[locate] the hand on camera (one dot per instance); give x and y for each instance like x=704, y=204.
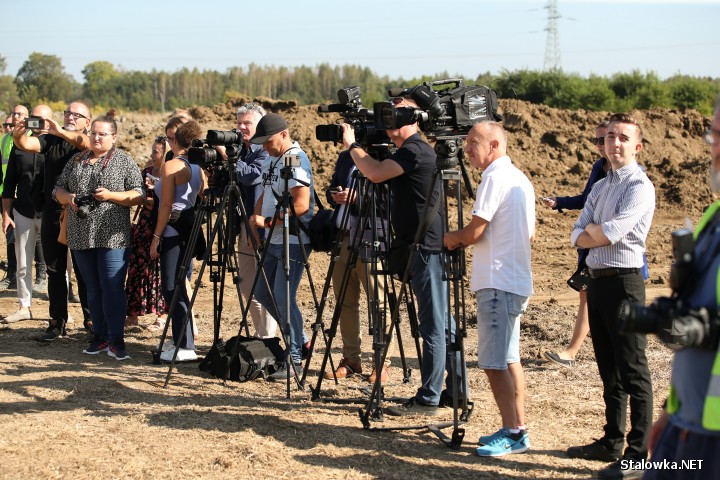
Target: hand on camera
x=348, y=137
x=549, y=202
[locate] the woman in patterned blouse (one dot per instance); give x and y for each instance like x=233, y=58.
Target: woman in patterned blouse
x=100, y=185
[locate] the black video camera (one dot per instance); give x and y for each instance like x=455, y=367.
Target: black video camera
x=447, y=112
x=86, y=204
x=202, y=153
x=670, y=318
x=360, y=119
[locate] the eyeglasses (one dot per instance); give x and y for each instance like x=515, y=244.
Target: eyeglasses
x=99, y=134
x=170, y=139
x=74, y=115
x=7, y=125
x=598, y=141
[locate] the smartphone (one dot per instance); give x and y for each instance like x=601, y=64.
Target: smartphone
x=34, y=123
x=152, y=178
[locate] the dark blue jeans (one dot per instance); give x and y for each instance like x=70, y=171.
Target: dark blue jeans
x=698, y=451
x=273, y=266
x=431, y=293
x=104, y=270
x=171, y=255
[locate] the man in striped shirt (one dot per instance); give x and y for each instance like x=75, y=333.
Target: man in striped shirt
x=614, y=225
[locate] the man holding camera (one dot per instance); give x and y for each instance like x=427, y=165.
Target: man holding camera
x=17, y=117
x=58, y=146
x=689, y=428
x=19, y=196
x=411, y=170
x=249, y=177
x=286, y=170
x=614, y=224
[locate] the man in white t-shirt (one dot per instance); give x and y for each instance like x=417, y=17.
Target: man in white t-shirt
x=501, y=230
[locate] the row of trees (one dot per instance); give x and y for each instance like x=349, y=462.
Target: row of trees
x=42, y=79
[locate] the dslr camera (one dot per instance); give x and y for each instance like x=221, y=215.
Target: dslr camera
x=670, y=318
x=362, y=120
x=202, y=153
x=86, y=204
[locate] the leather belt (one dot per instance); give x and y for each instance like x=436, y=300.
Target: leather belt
x=611, y=272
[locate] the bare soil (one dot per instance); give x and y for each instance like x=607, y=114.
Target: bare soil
x=68, y=415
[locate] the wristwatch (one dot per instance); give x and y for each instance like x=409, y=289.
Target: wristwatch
x=354, y=145
x=267, y=222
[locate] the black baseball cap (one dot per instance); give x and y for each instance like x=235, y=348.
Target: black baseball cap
x=268, y=126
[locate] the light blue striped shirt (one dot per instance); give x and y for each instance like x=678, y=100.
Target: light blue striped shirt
x=623, y=203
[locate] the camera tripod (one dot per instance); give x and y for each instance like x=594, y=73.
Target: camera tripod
x=222, y=259
x=366, y=242
x=448, y=149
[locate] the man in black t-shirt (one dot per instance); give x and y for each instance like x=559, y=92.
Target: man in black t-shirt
x=411, y=170
x=58, y=146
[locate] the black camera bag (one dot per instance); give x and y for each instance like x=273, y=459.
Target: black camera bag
x=255, y=358
x=462, y=105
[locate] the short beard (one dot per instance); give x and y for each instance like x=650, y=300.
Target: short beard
x=70, y=128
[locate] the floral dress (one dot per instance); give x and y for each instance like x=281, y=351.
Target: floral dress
x=143, y=280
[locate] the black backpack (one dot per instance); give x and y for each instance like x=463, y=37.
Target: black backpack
x=321, y=230
x=255, y=358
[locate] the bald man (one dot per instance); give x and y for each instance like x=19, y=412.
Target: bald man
x=58, y=145
x=23, y=215
x=501, y=231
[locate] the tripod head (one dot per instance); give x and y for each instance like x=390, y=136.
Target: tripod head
x=449, y=151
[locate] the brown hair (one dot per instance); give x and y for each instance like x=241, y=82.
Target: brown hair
x=626, y=118
x=186, y=133
x=108, y=118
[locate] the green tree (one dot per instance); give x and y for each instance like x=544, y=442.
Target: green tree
x=101, y=81
x=43, y=78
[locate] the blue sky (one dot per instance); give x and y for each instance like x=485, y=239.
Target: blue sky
x=399, y=38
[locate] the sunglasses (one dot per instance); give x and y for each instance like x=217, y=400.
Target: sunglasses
x=598, y=141
x=7, y=125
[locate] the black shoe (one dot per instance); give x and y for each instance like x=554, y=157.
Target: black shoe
x=96, y=346
x=446, y=400
x=53, y=333
x=624, y=468
x=597, y=450
x=117, y=351
x=281, y=375
x=412, y=407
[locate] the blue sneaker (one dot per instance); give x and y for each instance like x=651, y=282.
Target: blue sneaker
x=485, y=439
x=504, y=443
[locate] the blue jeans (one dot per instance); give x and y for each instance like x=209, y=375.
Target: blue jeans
x=274, y=269
x=431, y=293
x=103, y=270
x=172, y=252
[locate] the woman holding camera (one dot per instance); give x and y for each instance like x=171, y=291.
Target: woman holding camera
x=177, y=190
x=99, y=186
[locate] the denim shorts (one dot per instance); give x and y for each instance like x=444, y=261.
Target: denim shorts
x=498, y=327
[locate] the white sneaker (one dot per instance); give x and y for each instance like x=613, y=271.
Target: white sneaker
x=184, y=355
x=21, y=314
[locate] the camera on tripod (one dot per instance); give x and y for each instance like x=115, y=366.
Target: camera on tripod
x=671, y=318
x=204, y=154
x=442, y=112
x=362, y=120
x=86, y=204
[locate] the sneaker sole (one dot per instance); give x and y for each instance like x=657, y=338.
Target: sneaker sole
x=96, y=352
x=112, y=355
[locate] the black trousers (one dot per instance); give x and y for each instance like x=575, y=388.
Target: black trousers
x=621, y=362
x=56, y=260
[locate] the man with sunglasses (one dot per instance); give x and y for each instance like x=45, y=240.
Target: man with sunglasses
x=58, y=145
x=18, y=115
x=614, y=225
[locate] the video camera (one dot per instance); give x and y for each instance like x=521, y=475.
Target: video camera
x=446, y=112
x=361, y=119
x=202, y=153
x=670, y=318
